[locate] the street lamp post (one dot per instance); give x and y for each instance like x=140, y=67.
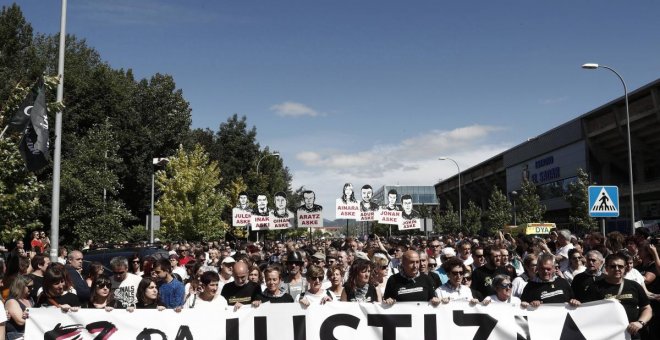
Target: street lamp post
x=513, y=199
x=276, y=154
x=593, y=66
x=156, y=162
x=460, y=213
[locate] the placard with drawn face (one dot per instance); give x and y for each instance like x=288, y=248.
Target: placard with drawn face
x=261, y=214
x=241, y=214
x=390, y=213
x=368, y=209
x=280, y=217
x=347, y=207
x=410, y=218
x=309, y=213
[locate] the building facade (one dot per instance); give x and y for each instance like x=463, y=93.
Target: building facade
x=595, y=142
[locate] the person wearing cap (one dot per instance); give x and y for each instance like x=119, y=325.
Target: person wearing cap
x=446, y=254
x=409, y=284
x=294, y=282
x=226, y=271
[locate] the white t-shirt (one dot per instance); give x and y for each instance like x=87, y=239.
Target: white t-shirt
x=3, y=313
x=218, y=303
x=636, y=276
x=515, y=301
x=126, y=291
x=563, y=251
x=314, y=299
x=463, y=293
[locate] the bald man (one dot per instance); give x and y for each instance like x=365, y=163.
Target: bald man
x=410, y=284
x=241, y=291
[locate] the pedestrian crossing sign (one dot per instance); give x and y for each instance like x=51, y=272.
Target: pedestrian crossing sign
x=603, y=201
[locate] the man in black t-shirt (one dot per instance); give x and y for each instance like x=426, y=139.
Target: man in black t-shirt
x=241, y=291
x=409, y=284
x=582, y=281
x=482, y=277
x=629, y=293
x=547, y=287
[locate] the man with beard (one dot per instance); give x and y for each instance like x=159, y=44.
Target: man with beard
x=409, y=284
x=482, y=277
x=367, y=194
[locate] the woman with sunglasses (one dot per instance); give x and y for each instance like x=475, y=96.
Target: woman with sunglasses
x=17, y=306
x=454, y=289
x=134, y=265
x=381, y=270
x=100, y=297
x=357, y=287
x=57, y=291
x=503, y=286
x=335, y=275
x=314, y=294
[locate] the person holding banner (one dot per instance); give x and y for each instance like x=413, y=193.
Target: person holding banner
x=335, y=275
x=17, y=306
x=208, y=298
x=547, y=287
x=56, y=291
x=357, y=287
x=314, y=294
x=629, y=293
x=241, y=291
x=273, y=293
x=454, y=289
x=147, y=296
x=409, y=284
x=503, y=292
x=100, y=297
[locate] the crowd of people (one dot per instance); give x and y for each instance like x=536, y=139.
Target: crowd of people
x=524, y=272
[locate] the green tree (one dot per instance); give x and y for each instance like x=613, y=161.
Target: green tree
x=89, y=187
x=578, y=197
x=191, y=204
x=529, y=207
x=447, y=221
x=472, y=219
x=499, y=211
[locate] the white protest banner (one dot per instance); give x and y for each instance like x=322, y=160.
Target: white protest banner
x=240, y=217
x=277, y=223
x=408, y=224
x=347, y=211
x=338, y=321
x=386, y=216
x=260, y=222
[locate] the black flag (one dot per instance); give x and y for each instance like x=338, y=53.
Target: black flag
x=21, y=117
x=34, y=144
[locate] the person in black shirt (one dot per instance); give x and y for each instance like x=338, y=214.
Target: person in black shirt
x=482, y=277
x=241, y=291
x=547, y=287
x=409, y=284
x=56, y=290
x=273, y=293
x=582, y=281
x=629, y=293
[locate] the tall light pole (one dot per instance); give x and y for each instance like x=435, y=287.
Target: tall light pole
x=276, y=154
x=460, y=213
x=593, y=66
x=156, y=162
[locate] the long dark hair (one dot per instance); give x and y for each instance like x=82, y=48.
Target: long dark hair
x=357, y=267
x=100, y=281
x=130, y=263
x=142, y=288
x=55, y=274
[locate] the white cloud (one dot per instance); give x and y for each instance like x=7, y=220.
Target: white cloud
x=403, y=155
x=293, y=109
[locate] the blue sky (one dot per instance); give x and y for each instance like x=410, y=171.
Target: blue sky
x=374, y=91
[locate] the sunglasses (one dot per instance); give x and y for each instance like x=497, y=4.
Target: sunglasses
x=103, y=285
x=320, y=278
x=467, y=278
x=433, y=265
x=459, y=273
x=506, y=286
x=614, y=266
